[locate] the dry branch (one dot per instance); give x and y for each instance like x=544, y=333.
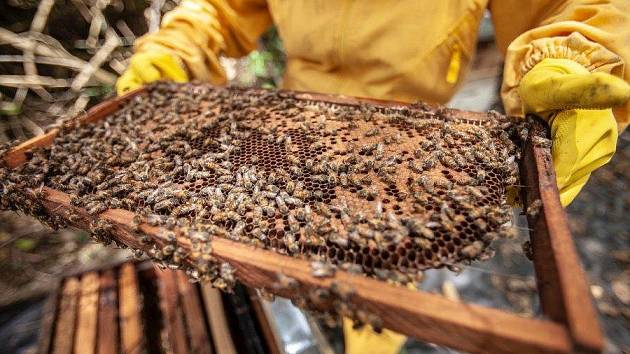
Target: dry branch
x=112, y=42
x=52, y=49
x=37, y=26
x=32, y=81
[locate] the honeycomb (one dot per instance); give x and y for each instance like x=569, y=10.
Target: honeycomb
x=387, y=191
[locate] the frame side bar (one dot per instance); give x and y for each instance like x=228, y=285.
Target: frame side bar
x=563, y=289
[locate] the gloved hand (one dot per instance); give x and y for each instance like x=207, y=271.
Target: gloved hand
x=148, y=67
x=577, y=105
x=365, y=341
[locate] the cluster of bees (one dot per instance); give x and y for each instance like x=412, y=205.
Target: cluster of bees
x=384, y=191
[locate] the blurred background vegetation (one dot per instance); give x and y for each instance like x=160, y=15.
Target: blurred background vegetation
x=58, y=58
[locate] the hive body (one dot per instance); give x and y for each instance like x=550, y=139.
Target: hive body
x=385, y=191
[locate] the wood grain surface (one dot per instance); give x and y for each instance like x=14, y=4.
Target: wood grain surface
x=108, y=338
x=130, y=304
x=63, y=340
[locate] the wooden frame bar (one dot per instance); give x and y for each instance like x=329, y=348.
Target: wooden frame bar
x=86, y=326
x=108, y=336
x=130, y=319
x=564, y=292
x=173, y=319
x=193, y=313
x=62, y=342
x=217, y=319
x=572, y=322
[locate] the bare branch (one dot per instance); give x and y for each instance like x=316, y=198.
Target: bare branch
x=38, y=24
x=111, y=42
x=68, y=63
x=125, y=30
x=41, y=16
x=98, y=23
x=154, y=14
x=83, y=10
x=32, y=81
x=32, y=127
x=50, y=48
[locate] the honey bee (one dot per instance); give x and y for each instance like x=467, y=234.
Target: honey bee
x=372, y=132
x=285, y=283
x=534, y=208
x=290, y=242
x=473, y=250
x=322, y=270
x=541, y=142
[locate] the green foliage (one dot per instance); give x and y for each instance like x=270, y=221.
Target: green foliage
x=264, y=67
x=25, y=244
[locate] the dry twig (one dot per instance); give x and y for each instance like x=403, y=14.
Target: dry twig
x=49, y=47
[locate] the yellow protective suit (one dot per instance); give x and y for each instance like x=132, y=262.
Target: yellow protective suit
x=397, y=49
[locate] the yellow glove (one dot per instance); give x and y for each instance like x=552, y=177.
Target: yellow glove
x=365, y=341
x=577, y=104
x=148, y=67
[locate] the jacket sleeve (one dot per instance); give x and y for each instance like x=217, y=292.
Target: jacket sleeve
x=197, y=32
x=596, y=34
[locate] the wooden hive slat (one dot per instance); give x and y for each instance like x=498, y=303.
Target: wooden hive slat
x=94, y=319
x=263, y=321
x=108, y=336
x=172, y=312
x=48, y=322
x=63, y=340
x=561, y=280
x=195, y=323
x=130, y=317
x=218, y=322
x=87, y=317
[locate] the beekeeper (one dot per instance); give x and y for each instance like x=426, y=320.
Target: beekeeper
x=564, y=60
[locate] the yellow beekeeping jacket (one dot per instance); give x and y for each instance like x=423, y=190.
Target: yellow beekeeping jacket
x=397, y=49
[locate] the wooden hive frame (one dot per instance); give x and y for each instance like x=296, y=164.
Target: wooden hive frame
x=568, y=323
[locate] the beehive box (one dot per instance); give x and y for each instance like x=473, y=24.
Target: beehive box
x=194, y=176
x=137, y=308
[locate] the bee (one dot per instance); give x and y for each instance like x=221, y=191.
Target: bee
x=322, y=270
x=481, y=224
x=290, y=187
x=291, y=244
x=293, y=160
x=165, y=205
x=294, y=225
x=295, y=170
x=367, y=193
x=285, y=282
x=372, y=132
x=136, y=222
x=473, y=250
x=528, y=250
x=480, y=176
x=95, y=208
x=238, y=230
x=317, y=145
x=475, y=192
x=282, y=206
x=269, y=211
x=541, y=142
x=534, y=208
x=184, y=210
x=259, y=234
